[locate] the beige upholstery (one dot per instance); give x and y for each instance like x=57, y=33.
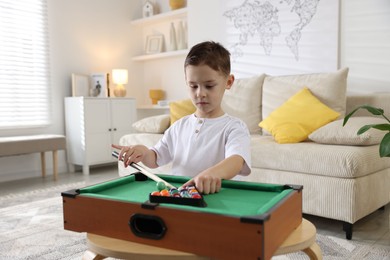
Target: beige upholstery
x=16, y=145
x=345, y=199
x=243, y=97
x=380, y=100
x=329, y=88
x=341, y=161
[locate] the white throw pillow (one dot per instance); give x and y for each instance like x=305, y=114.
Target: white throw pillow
x=329, y=88
x=335, y=133
x=153, y=124
x=243, y=100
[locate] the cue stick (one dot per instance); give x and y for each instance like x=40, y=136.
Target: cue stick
x=150, y=175
x=145, y=172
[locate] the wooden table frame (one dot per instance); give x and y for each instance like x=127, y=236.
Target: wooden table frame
x=114, y=218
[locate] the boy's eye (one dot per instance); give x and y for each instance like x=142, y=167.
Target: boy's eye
x=209, y=87
x=193, y=86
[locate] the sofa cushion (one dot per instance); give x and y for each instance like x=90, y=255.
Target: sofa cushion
x=298, y=117
x=243, y=100
x=180, y=108
x=153, y=124
x=335, y=133
x=339, y=161
x=148, y=140
x=329, y=88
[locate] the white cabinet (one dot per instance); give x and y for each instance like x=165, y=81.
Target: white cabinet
x=92, y=125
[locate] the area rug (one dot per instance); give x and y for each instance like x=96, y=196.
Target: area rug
x=34, y=230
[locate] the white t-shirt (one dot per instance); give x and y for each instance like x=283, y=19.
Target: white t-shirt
x=194, y=144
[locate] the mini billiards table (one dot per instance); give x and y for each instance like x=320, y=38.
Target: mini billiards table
x=245, y=220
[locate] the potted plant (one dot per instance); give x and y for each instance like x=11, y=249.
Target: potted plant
x=384, y=147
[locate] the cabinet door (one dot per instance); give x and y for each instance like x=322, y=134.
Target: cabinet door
x=97, y=130
x=123, y=115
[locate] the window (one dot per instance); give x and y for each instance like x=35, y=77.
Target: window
x=24, y=64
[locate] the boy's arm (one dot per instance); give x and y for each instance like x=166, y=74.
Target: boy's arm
x=209, y=181
x=137, y=153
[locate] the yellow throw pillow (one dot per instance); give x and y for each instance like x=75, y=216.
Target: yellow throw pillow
x=181, y=108
x=298, y=117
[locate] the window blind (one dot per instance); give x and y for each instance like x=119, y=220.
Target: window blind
x=24, y=64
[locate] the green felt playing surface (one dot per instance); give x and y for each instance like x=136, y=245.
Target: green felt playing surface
x=235, y=198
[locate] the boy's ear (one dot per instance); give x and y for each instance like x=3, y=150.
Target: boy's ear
x=230, y=81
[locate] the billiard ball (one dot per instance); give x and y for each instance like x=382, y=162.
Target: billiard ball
x=165, y=193
x=196, y=196
x=173, y=191
x=155, y=193
x=185, y=194
x=161, y=185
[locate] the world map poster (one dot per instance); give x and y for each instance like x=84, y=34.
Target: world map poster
x=283, y=36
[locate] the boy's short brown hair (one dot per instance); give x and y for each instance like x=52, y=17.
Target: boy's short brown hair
x=211, y=54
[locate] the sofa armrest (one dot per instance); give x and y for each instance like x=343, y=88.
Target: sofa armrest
x=380, y=100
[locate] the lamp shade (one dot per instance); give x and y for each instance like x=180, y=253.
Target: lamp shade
x=119, y=76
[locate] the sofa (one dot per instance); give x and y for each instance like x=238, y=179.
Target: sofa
x=343, y=176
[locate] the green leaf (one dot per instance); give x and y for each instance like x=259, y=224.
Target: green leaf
x=363, y=129
x=384, y=147
x=373, y=110
x=382, y=127
x=346, y=118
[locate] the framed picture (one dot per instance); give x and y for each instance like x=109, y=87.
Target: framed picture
x=80, y=85
x=154, y=44
x=99, y=85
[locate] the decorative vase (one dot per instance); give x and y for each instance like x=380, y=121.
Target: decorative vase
x=185, y=34
x=172, y=39
x=180, y=36
x=176, y=4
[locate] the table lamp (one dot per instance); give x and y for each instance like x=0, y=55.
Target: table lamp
x=119, y=77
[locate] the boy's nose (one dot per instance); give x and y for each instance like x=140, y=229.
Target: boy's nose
x=200, y=92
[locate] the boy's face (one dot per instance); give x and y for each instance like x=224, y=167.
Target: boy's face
x=206, y=87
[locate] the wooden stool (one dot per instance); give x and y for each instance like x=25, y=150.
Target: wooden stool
x=303, y=238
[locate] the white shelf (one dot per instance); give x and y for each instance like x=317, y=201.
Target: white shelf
x=161, y=55
x=153, y=107
x=158, y=18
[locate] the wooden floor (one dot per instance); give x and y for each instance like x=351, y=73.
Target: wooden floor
x=373, y=229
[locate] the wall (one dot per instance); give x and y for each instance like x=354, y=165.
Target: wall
x=364, y=37
x=365, y=44
x=96, y=36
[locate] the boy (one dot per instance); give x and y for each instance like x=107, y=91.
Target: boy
x=208, y=145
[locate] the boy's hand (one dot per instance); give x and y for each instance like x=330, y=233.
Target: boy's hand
x=129, y=154
x=205, y=183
